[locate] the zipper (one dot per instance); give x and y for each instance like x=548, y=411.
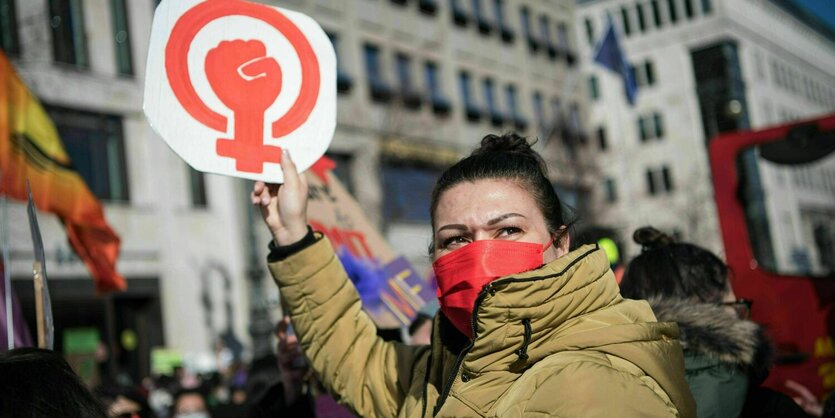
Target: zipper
x=488, y=288
x=426, y=379
x=491, y=288
x=523, y=352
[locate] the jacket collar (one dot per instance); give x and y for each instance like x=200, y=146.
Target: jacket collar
x=709, y=331
x=520, y=317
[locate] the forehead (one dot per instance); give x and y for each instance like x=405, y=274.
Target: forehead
x=483, y=200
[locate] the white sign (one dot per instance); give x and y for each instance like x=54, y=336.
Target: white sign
x=230, y=83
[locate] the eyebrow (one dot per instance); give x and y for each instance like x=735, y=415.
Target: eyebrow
x=489, y=223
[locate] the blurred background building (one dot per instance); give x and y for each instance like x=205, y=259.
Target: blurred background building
x=704, y=67
x=420, y=82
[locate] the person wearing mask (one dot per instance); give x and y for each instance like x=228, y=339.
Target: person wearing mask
x=190, y=403
x=525, y=326
x=726, y=355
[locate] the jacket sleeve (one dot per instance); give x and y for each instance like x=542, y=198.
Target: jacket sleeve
x=340, y=340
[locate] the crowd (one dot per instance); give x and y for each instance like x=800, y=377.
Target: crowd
x=526, y=324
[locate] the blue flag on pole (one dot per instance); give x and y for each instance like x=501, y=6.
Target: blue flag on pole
x=610, y=55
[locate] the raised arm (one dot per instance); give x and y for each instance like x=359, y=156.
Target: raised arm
x=338, y=337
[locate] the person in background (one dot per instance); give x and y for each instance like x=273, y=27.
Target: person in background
x=526, y=327
x=190, y=403
x=726, y=355
x=36, y=383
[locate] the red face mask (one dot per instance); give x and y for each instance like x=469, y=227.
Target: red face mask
x=462, y=274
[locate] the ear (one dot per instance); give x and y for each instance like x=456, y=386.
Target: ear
x=561, y=244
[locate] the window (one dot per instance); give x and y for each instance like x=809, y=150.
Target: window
x=627, y=26
x=501, y=22
x=525, y=15
x=556, y=111
x=484, y=25
x=610, y=190
x=651, y=187
x=95, y=145
x=643, y=132
x=459, y=16
x=342, y=170
x=671, y=8
x=642, y=23
x=656, y=13
x=411, y=98
x=659, y=180
x=539, y=108
x=688, y=9
x=379, y=89
x=197, y=185
x=643, y=73
x=707, y=7
x=344, y=82
x=574, y=125
x=667, y=178
x=121, y=35
x=418, y=179
x=589, y=31
x=471, y=110
x=650, y=127
x=8, y=28
x=562, y=36
x=659, y=125
x=69, y=40
x=440, y=104
x=594, y=91
x=545, y=34
x=513, y=108
x=496, y=117
x=428, y=6
x=601, y=138
x=649, y=73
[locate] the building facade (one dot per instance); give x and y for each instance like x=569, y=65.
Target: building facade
x=704, y=67
x=420, y=82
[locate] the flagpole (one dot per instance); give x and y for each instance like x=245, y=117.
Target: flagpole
x=7, y=278
x=39, y=305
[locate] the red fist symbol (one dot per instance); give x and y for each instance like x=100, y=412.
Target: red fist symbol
x=247, y=81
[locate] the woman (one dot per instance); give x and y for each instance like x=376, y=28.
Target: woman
x=726, y=356
x=526, y=328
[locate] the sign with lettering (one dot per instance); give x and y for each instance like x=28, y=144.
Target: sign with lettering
x=230, y=83
x=390, y=289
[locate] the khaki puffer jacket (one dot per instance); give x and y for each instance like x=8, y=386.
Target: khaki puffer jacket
x=558, y=341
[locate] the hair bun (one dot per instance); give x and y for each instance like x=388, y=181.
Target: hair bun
x=650, y=238
x=511, y=143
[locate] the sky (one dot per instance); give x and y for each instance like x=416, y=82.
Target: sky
x=825, y=9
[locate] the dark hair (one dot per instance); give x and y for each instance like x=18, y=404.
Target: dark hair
x=511, y=157
x=182, y=392
x=668, y=269
x=39, y=383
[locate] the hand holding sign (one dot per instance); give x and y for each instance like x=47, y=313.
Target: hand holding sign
x=284, y=206
x=229, y=84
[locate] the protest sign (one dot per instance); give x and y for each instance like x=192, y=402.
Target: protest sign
x=390, y=289
x=230, y=83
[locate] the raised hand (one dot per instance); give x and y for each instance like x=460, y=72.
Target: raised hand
x=284, y=206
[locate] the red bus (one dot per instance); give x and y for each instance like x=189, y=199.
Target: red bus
x=775, y=197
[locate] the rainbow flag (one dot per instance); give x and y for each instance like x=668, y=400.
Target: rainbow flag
x=30, y=148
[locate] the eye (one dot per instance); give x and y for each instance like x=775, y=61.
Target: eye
x=454, y=242
x=509, y=231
